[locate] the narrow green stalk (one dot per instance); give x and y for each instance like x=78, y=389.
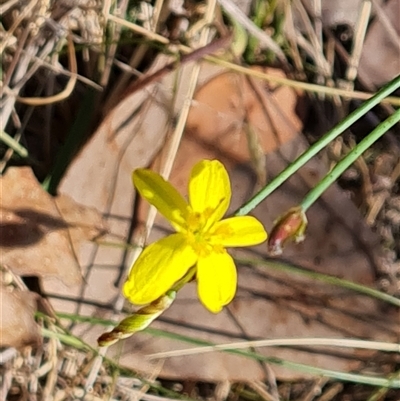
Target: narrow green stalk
x=184, y=280
x=13, y=144
x=317, y=147
x=67, y=339
x=350, y=377
x=338, y=170
x=338, y=282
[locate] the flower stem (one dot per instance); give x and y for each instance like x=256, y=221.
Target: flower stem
x=318, y=146
x=184, y=280
x=341, y=166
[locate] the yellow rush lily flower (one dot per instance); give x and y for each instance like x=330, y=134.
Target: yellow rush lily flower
x=200, y=239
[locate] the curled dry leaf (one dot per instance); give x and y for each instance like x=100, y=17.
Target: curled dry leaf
x=18, y=327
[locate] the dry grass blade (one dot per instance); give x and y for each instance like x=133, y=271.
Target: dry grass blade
x=41, y=101
x=358, y=42
x=138, y=29
x=385, y=347
x=7, y=5
x=315, y=390
x=314, y=47
x=331, y=392
x=313, y=88
x=39, y=38
x=27, y=11
x=195, y=55
x=260, y=388
x=110, y=56
x=291, y=36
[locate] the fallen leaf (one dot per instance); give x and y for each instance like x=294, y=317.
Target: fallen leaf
x=34, y=237
x=18, y=327
x=84, y=223
x=228, y=102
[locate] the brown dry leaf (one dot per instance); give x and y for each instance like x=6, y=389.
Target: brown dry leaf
x=217, y=123
x=84, y=223
x=18, y=327
x=270, y=303
x=34, y=238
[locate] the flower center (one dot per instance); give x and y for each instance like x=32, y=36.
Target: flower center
x=198, y=233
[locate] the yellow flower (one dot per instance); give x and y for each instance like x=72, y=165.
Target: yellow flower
x=200, y=239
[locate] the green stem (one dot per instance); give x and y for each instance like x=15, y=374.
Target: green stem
x=318, y=146
x=13, y=144
x=336, y=281
x=337, y=375
x=341, y=166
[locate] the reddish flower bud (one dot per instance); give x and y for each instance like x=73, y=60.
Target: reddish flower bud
x=289, y=226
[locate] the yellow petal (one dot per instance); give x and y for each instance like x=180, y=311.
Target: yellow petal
x=217, y=280
x=158, y=268
x=161, y=194
x=210, y=190
x=238, y=231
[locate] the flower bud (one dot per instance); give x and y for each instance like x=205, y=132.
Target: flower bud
x=289, y=226
x=140, y=320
